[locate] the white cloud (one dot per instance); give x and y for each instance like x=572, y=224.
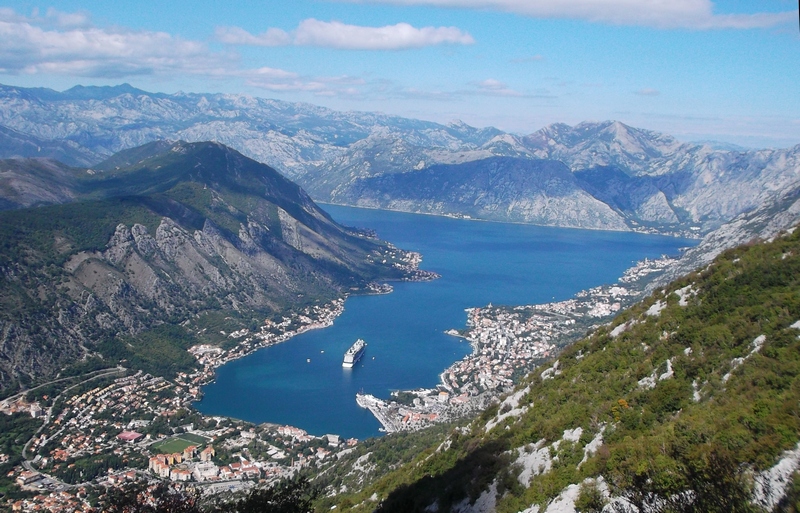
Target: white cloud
x=52, y=17
x=647, y=91
x=282, y=81
x=334, y=34
x=492, y=87
x=69, y=44
x=66, y=20
x=692, y=14
x=491, y=84
x=239, y=36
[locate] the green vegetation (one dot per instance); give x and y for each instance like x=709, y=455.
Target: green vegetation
x=171, y=445
x=378, y=457
x=177, y=443
x=47, y=236
x=290, y=496
x=15, y=431
x=160, y=351
x=195, y=439
x=76, y=304
x=664, y=448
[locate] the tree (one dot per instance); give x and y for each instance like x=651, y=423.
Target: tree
x=292, y=496
x=590, y=498
x=133, y=498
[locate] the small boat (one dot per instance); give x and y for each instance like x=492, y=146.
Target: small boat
x=308, y=360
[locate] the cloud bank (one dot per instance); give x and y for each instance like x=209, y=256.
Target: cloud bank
x=68, y=44
x=59, y=43
x=341, y=36
x=665, y=14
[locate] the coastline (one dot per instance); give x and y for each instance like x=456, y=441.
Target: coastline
x=213, y=357
x=310, y=318
x=464, y=217
x=507, y=341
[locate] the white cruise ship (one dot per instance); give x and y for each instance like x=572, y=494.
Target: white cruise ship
x=353, y=354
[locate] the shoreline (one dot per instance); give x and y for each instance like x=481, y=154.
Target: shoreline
x=461, y=217
x=211, y=357
x=498, y=352
x=506, y=340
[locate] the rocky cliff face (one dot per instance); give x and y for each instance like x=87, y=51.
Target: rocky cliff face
x=650, y=181
x=776, y=215
x=188, y=232
x=504, y=189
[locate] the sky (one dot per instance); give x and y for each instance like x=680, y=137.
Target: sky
x=726, y=70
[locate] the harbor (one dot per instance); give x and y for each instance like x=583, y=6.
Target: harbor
x=405, y=330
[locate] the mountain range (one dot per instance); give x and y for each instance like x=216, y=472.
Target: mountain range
x=604, y=175
x=129, y=248
x=115, y=262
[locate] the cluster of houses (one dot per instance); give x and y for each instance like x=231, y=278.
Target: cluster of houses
x=179, y=466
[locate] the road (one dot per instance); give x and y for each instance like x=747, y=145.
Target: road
x=102, y=373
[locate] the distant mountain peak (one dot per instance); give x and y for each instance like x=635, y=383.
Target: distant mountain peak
x=457, y=123
x=80, y=92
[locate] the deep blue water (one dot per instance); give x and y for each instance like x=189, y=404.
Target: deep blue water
x=479, y=262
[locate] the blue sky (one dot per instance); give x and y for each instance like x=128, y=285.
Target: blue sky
x=697, y=69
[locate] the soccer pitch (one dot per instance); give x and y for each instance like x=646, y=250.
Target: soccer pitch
x=178, y=443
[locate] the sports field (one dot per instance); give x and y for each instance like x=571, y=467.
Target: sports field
x=178, y=443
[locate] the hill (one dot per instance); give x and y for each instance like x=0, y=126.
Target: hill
x=685, y=402
x=160, y=248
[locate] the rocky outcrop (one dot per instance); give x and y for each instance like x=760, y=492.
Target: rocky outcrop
x=776, y=215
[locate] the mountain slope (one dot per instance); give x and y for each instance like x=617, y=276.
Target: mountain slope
x=18, y=145
x=763, y=223
x=649, y=179
x=609, y=144
x=290, y=137
x=499, y=188
x=686, y=402
x=32, y=182
x=674, y=187
x=191, y=232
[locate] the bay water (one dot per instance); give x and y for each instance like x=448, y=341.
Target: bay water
x=302, y=383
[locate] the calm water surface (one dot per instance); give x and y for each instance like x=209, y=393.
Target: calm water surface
x=479, y=263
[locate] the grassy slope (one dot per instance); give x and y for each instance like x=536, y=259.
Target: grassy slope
x=657, y=442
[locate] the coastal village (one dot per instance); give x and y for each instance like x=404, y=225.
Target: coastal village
x=118, y=426
x=113, y=428
x=507, y=342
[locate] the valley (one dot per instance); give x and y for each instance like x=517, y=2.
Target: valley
x=138, y=275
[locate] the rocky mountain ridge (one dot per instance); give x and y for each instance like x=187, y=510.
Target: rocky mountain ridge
x=160, y=236
x=650, y=181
